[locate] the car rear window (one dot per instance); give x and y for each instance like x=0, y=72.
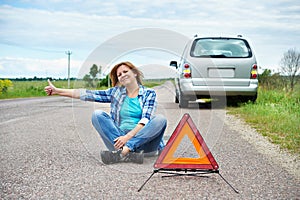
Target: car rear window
x=221, y=48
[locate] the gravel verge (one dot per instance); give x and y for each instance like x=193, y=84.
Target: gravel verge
x=290, y=162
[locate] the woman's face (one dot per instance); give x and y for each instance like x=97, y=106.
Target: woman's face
x=125, y=75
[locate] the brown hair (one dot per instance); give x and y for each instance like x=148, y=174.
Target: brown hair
x=113, y=73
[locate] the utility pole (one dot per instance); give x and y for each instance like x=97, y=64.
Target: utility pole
x=69, y=54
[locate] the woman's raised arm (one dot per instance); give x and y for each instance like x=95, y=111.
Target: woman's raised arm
x=52, y=90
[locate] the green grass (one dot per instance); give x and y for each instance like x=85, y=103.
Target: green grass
x=276, y=115
x=151, y=83
x=22, y=89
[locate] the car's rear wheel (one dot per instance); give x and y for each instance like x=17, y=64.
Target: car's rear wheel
x=249, y=98
x=183, y=102
x=253, y=98
x=176, y=97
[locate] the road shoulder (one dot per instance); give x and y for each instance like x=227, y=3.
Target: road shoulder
x=290, y=162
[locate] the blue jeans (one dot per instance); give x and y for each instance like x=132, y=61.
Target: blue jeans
x=149, y=139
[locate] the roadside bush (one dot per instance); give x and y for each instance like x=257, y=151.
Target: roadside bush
x=103, y=82
x=270, y=81
x=4, y=85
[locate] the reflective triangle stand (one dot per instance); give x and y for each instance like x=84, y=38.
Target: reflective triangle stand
x=187, y=172
x=168, y=163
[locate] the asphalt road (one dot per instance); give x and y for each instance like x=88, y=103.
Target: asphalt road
x=49, y=150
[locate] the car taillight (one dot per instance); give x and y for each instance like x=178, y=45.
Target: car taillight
x=254, y=71
x=187, y=71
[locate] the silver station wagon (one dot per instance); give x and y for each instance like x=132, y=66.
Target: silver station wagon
x=214, y=67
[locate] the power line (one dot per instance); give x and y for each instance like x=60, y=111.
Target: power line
x=13, y=44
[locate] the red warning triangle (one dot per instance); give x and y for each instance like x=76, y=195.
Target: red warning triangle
x=168, y=158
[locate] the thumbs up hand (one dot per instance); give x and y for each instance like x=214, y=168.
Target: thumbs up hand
x=50, y=89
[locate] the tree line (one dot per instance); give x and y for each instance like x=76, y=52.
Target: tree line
x=35, y=78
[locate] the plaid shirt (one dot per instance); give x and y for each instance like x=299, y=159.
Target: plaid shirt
x=116, y=96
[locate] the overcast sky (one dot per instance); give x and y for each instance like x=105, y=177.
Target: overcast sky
x=34, y=35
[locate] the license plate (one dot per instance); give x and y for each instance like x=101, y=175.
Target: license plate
x=220, y=73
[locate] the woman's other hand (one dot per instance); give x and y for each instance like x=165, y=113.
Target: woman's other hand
x=120, y=141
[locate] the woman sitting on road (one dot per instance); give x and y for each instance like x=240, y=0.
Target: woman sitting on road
x=131, y=129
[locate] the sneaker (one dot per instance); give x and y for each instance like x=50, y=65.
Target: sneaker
x=135, y=157
x=110, y=157
x=152, y=154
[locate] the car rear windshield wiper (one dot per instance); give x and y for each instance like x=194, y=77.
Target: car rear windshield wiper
x=218, y=56
x=214, y=56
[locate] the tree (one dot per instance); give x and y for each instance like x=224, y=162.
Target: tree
x=91, y=78
x=88, y=81
x=94, y=71
x=290, y=66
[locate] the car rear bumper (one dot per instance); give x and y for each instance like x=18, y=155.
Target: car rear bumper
x=187, y=88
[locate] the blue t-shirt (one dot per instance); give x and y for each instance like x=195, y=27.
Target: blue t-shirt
x=130, y=113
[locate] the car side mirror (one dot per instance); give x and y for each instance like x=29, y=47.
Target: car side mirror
x=173, y=64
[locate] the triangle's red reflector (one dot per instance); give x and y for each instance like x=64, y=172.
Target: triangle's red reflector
x=169, y=158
